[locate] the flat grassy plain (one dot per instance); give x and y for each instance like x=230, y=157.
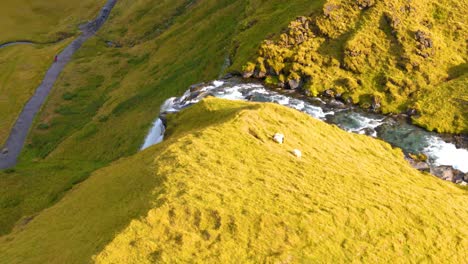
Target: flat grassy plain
x=219, y=190
x=44, y=21
x=107, y=97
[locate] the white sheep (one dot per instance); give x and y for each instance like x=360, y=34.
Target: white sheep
x=279, y=138
x=297, y=153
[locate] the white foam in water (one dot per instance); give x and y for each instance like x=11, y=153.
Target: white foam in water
x=368, y=122
x=260, y=91
x=439, y=152
x=156, y=134
x=365, y=122
x=297, y=104
x=168, y=105
x=232, y=93
x=218, y=83
x=280, y=99
x=443, y=153
x=315, y=111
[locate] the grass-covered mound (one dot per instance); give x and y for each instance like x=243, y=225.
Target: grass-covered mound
x=220, y=190
x=387, y=55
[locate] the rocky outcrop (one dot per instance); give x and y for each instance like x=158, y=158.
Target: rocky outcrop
x=389, y=49
x=425, y=44
x=419, y=165
x=448, y=173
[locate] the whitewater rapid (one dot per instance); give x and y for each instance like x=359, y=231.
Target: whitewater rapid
x=408, y=137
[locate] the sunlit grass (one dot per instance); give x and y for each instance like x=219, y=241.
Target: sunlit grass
x=219, y=190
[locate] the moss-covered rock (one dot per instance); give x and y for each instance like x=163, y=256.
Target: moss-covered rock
x=397, y=51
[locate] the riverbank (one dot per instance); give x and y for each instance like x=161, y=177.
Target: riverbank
x=394, y=129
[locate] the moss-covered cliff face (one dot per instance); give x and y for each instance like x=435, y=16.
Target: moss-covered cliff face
x=392, y=56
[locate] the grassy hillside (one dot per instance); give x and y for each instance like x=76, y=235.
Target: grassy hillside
x=220, y=190
x=44, y=21
x=23, y=68
x=391, y=56
x=105, y=101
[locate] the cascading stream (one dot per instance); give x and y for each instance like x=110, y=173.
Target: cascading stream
x=409, y=138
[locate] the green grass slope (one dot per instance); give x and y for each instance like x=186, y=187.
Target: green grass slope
x=219, y=190
x=22, y=69
x=44, y=21
x=387, y=55
x=107, y=97
x=23, y=66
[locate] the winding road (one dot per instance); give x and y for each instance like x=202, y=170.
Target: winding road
x=10, y=152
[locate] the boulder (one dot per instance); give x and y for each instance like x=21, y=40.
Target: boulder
x=260, y=74
x=424, y=40
x=411, y=112
x=329, y=93
x=294, y=84
x=364, y=4
x=420, y=165
x=368, y=131
x=448, y=173
x=5, y=151
x=418, y=162
x=337, y=104
x=376, y=103
x=247, y=74
x=443, y=172
x=197, y=87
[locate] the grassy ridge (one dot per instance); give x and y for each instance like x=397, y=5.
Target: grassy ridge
x=106, y=99
x=44, y=21
x=219, y=189
x=391, y=56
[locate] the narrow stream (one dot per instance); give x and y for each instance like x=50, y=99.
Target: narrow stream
x=399, y=133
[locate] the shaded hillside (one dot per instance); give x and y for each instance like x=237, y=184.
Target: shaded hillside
x=219, y=189
x=390, y=56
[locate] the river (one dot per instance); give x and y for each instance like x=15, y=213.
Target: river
x=397, y=132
